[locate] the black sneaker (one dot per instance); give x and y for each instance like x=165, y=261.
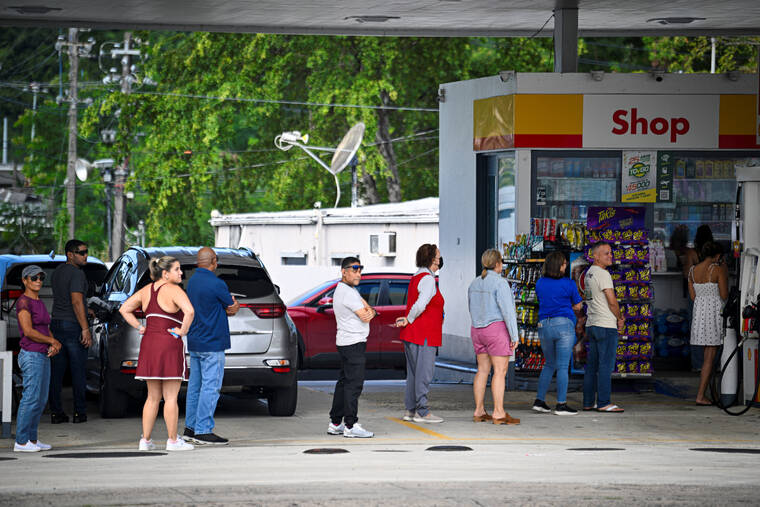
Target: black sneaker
x=210, y=439
x=79, y=418
x=541, y=406
x=58, y=418
x=188, y=435
x=563, y=409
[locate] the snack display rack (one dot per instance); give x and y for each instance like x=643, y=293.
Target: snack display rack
x=623, y=228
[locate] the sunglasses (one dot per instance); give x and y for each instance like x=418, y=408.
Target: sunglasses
x=355, y=267
x=81, y=252
x=39, y=276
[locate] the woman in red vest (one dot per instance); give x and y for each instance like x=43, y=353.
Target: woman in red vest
x=422, y=334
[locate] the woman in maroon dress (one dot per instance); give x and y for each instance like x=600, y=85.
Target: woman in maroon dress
x=161, y=363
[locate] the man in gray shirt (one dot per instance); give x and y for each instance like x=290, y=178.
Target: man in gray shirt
x=352, y=316
x=69, y=326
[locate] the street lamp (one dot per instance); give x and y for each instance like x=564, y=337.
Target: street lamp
x=343, y=155
x=105, y=166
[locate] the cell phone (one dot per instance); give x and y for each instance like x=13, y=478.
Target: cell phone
x=172, y=333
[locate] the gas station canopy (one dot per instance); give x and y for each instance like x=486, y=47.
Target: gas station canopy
x=448, y=18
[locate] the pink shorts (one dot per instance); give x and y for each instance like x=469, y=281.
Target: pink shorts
x=492, y=339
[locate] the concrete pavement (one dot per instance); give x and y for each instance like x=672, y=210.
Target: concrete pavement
x=650, y=456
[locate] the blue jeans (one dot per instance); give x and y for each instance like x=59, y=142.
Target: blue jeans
x=557, y=335
x=74, y=355
x=597, y=378
x=206, y=374
x=35, y=368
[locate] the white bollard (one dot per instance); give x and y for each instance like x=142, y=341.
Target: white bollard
x=6, y=387
x=730, y=380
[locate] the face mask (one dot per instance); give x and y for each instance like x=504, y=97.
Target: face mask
x=440, y=263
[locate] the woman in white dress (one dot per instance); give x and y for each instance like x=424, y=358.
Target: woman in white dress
x=708, y=288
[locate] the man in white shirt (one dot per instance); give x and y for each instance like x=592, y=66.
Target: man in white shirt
x=602, y=326
x=352, y=316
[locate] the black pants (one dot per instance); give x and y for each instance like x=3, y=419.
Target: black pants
x=350, y=384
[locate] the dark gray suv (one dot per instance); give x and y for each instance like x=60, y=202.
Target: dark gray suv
x=264, y=352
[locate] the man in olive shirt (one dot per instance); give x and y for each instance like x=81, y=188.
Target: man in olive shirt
x=69, y=326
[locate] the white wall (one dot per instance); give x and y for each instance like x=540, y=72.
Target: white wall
x=321, y=244
x=457, y=207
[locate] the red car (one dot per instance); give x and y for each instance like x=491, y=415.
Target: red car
x=313, y=315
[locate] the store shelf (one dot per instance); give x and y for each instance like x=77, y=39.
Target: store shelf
x=631, y=375
x=666, y=273
x=733, y=180
x=574, y=178
x=677, y=221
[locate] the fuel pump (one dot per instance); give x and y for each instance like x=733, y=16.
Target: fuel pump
x=748, y=234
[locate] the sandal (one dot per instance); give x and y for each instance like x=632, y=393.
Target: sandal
x=611, y=409
x=589, y=409
x=482, y=418
x=506, y=420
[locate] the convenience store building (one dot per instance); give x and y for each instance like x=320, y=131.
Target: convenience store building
x=564, y=142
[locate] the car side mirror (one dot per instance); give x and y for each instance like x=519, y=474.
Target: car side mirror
x=322, y=308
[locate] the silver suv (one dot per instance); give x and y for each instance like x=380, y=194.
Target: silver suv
x=264, y=351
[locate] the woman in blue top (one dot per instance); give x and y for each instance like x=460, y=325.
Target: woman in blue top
x=558, y=299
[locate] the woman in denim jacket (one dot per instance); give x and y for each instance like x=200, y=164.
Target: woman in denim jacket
x=494, y=335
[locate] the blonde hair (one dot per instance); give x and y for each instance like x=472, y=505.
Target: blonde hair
x=160, y=264
x=489, y=260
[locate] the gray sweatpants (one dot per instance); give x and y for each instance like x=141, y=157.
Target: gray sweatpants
x=420, y=364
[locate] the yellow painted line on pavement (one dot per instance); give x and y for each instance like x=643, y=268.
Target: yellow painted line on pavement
x=419, y=428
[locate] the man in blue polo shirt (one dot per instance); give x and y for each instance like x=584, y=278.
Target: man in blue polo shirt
x=207, y=339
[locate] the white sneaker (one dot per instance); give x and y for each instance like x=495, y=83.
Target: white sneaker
x=356, y=431
x=429, y=418
x=178, y=445
x=27, y=447
x=43, y=446
x=146, y=445
x=335, y=430
x=408, y=415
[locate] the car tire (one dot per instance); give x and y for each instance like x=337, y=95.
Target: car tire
x=283, y=400
x=113, y=402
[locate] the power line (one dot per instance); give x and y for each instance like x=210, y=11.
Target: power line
x=291, y=102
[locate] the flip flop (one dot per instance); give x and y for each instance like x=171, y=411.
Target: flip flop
x=611, y=409
x=703, y=404
x=589, y=409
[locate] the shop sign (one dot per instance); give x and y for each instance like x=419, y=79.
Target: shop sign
x=665, y=176
x=650, y=121
x=639, y=176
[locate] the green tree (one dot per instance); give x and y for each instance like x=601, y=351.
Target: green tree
x=692, y=54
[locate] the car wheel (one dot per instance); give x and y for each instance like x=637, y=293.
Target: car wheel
x=282, y=401
x=113, y=402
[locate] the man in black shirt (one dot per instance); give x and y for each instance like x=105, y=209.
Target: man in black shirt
x=69, y=326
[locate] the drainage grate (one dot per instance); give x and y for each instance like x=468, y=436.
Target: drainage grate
x=597, y=449
x=325, y=450
x=7, y=459
x=449, y=448
x=389, y=450
x=728, y=450
x=83, y=455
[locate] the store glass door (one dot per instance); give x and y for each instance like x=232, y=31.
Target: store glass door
x=496, y=180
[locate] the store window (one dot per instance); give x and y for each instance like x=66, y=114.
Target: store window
x=704, y=193
x=495, y=182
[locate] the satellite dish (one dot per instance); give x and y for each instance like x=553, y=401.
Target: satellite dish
x=82, y=167
x=347, y=148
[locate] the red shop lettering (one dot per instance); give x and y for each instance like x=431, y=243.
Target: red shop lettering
x=640, y=125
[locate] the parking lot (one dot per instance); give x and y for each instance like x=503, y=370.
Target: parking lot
x=646, y=455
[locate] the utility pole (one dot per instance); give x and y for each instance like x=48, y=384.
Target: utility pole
x=121, y=172
x=71, y=197
x=75, y=49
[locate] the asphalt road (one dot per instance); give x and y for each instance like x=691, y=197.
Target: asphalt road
x=648, y=455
